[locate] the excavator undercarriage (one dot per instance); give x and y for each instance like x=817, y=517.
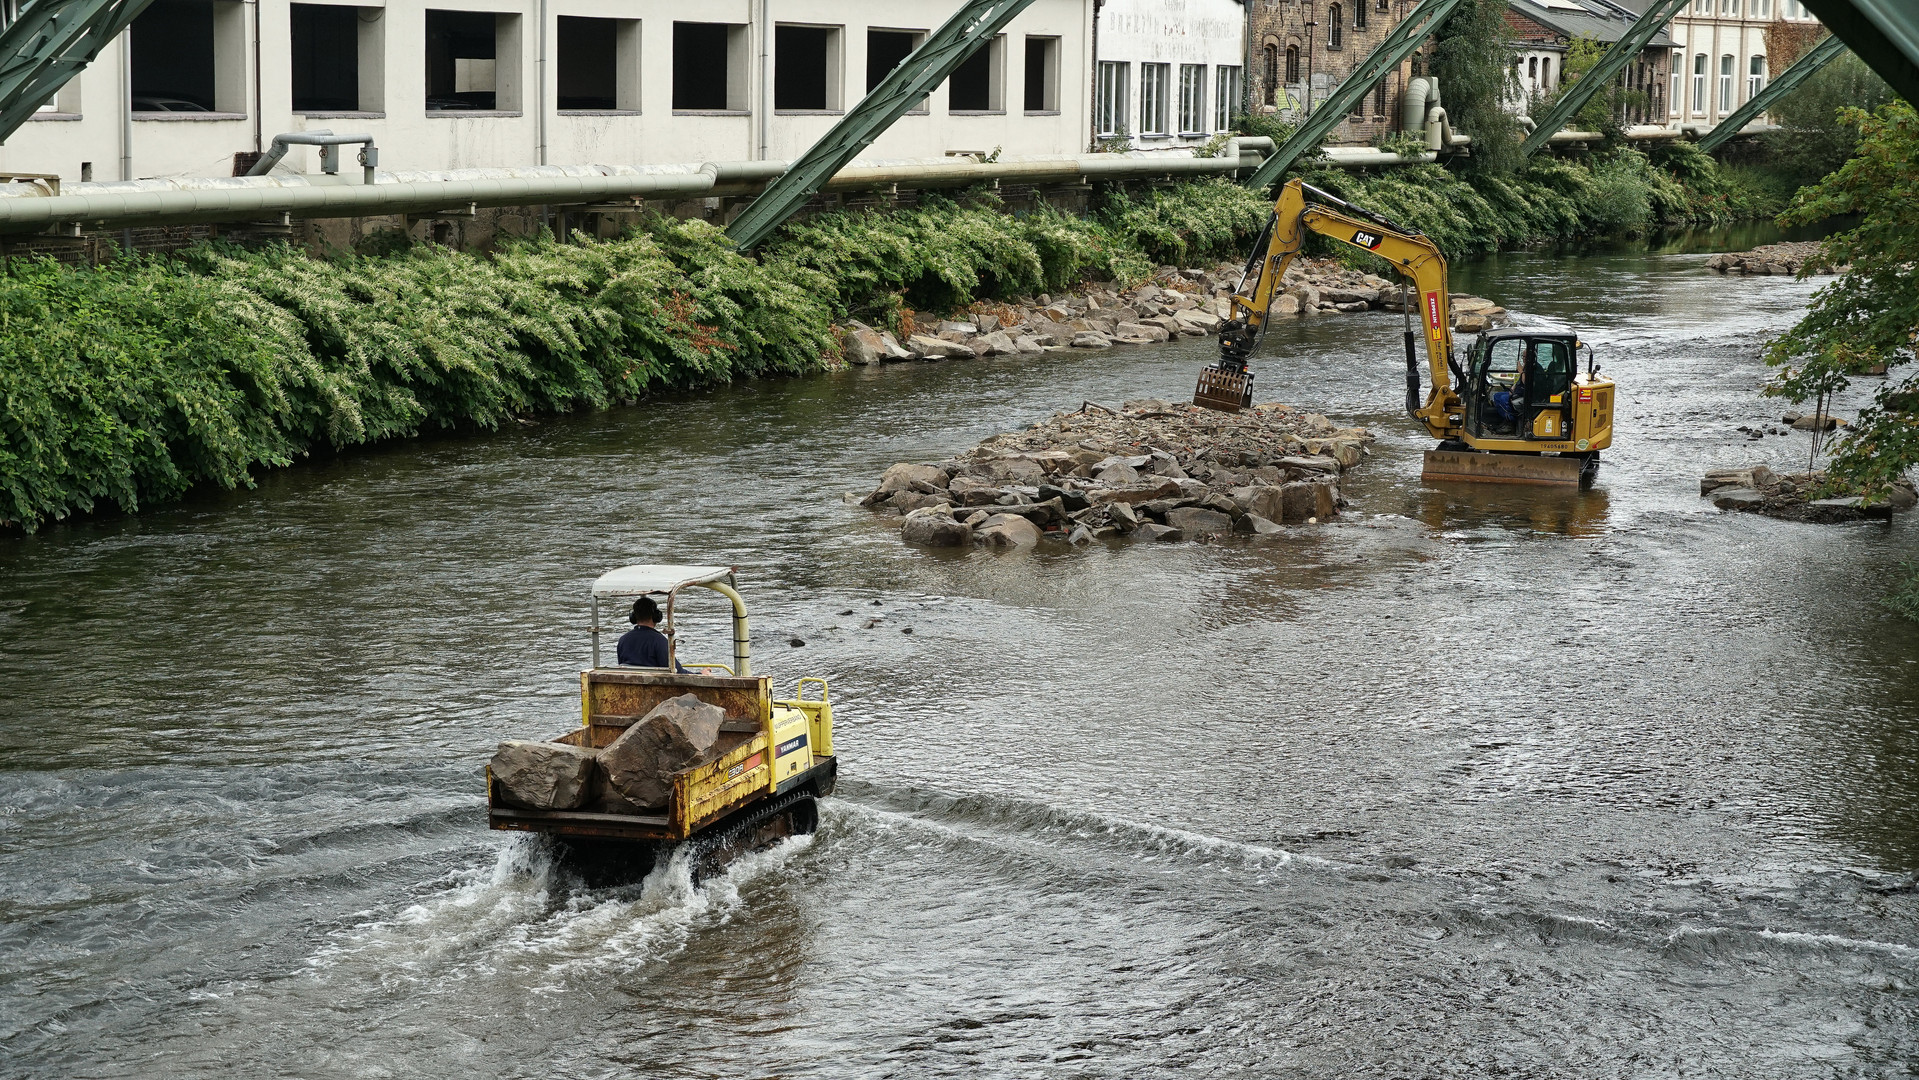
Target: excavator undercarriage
x=1519, y=411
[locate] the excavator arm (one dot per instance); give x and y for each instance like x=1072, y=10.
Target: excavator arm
x=1418, y=259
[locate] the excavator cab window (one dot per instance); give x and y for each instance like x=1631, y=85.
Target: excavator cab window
x=1489, y=386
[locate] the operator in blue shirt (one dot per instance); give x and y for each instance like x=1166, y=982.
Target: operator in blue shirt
x=643, y=646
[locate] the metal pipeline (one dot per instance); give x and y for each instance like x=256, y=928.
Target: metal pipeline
x=265, y=196
x=329, y=152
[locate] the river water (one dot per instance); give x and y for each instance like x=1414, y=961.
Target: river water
x=1472, y=782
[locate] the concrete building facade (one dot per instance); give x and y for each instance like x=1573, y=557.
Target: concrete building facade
x=1301, y=50
x=490, y=83
x=1169, y=73
x=1720, y=55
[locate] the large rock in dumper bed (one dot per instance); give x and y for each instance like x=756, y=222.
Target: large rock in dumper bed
x=543, y=775
x=678, y=734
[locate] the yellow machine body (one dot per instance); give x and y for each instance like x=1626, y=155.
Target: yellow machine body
x=1520, y=394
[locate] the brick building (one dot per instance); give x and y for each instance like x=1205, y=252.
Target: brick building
x=1301, y=50
x=1544, y=31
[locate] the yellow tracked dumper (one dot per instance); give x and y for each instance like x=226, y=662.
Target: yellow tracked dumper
x=1521, y=411
x=763, y=778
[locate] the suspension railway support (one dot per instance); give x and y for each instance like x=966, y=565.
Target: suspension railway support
x=1883, y=33
x=1575, y=94
x=1800, y=70
x=47, y=44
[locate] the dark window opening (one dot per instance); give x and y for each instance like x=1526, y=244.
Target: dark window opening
x=587, y=57
x=970, y=89
x=173, y=57
x=1271, y=73
x=1379, y=98
x=800, y=66
x=1359, y=15
x=1041, y=66
x=1292, y=63
x=699, y=65
x=461, y=71
x=885, y=49
x=1337, y=31
x=326, y=58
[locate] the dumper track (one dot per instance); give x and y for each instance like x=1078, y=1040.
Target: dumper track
x=759, y=827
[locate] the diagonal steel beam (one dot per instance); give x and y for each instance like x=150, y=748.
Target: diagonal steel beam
x=918, y=75
x=1418, y=25
x=1883, y=33
x=48, y=44
x=1799, y=71
x=1574, y=95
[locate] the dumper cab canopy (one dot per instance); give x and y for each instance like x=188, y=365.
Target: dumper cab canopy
x=668, y=579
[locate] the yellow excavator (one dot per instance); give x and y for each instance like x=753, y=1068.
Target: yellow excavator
x=1520, y=412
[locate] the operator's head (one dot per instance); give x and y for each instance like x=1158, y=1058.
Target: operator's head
x=645, y=612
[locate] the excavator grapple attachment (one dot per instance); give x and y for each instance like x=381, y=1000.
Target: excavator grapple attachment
x=1491, y=468
x=1224, y=387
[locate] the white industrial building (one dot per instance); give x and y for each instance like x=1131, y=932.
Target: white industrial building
x=1719, y=56
x=500, y=83
x=1169, y=72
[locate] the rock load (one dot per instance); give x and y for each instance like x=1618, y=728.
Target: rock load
x=1176, y=302
x=1149, y=469
x=1798, y=496
x=1785, y=258
x=634, y=773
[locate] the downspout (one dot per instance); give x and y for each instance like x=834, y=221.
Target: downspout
x=126, y=104
x=258, y=135
x=1310, y=23
x=765, y=32
x=1092, y=84
x=539, y=92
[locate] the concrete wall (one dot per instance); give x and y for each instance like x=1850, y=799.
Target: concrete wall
x=91, y=116
x=1204, y=34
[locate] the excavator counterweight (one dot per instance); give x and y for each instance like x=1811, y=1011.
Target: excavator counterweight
x=1519, y=411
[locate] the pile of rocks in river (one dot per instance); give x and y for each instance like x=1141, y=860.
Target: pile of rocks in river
x=1784, y=258
x=1759, y=490
x=1149, y=469
x=1175, y=303
x=631, y=775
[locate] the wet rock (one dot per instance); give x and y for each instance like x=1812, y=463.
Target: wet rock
x=1472, y=323
x=1007, y=531
x=678, y=734
x=861, y=344
x=1133, y=333
x=1304, y=499
x=1286, y=305
x=1815, y=422
x=1091, y=339
x=934, y=526
x=1261, y=500
x=995, y=343
x=1197, y=521
x=1737, y=498
x=1309, y=466
x=1137, y=493
x=974, y=491
x=1255, y=525
x=543, y=775
x=1306, y=296
x=934, y=348
x=1073, y=501
x=1151, y=531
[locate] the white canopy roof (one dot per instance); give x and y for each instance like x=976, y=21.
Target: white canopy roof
x=639, y=579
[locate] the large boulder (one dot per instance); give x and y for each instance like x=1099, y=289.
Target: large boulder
x=1304, y=500
x=1738, y=498
x=1007, y=531
x=1091, y=339
x=1261, y=499
x=678, y=734
x=543, y=775
x=975, y=491
x=1198, y=521
x=901, y=477
x=1014, y=470
x=933, y=348
x=862, y=344
x=995, y=343
x=934, y=526
x=1149, y=488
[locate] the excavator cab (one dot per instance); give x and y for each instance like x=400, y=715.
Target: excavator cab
x=1519, y=385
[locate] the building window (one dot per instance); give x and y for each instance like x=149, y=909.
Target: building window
x=472, y=61
x=1110, y=105
x=1226, y=91
x=1702, y=7
x=189, y=56
x=326, y=56
x=974, y=86
x=1359, y=14
x=1725, y=83
x=1675, y=64
x=1546, y=74
x=1699, y=84
x=1532, y=73
x=806, y=68
x=886, y=50
x=1379, y=98
x=1729, y=7
x=1755, y=76
x=1153, y=80
x=1270, y=75
x=1759, y=9
x=596, y=65
x=709, y=67
x=1336, y=31
x=1042, y=74
x=1192, y=99
x=1384, y=5
x=1292, y=64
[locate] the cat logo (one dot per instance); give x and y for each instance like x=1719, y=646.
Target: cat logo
x=1366, y=239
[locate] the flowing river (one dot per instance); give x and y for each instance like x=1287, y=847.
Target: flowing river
x=1473, y=782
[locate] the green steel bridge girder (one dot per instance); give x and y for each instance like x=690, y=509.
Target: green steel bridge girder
x=1883, y=33
x=1781, y=85
x=48, y=44
x=1575, y=94
x=1418, y=25
x=916, y=76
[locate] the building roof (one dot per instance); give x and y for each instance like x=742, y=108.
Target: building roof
x=1605, y=21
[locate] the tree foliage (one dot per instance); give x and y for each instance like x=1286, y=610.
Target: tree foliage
x=1869, y=316
x=1471, y=57
x=1813, y=138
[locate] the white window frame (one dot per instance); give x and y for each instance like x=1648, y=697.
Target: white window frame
x=1755, y=75
x=1677, y=66
x=1699, y=84
x=1112, y=107
x=1192, y=99
x=1227, y=89
x=1725, y=82
x=1155, y=89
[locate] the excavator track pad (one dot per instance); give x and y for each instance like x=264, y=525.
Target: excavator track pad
x=1223, y=387
x=1491, y=468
